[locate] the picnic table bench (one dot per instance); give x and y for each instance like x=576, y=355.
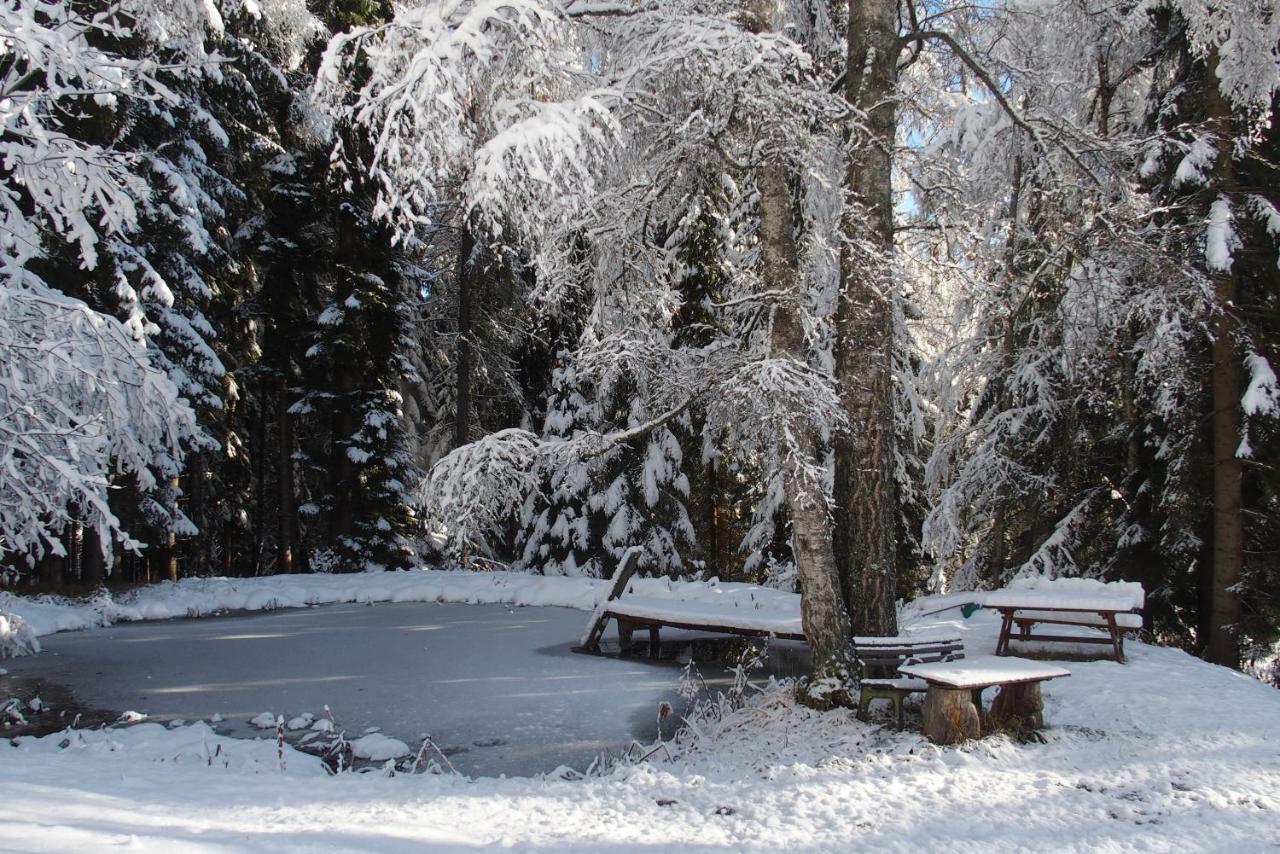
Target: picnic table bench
x=888, y=654
x=1114, y=608
x=953, y=704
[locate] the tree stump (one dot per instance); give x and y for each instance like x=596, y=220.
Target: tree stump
x=1018, y=708
x=950, y=716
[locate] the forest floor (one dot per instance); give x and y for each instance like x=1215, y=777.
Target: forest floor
x=1163, y=753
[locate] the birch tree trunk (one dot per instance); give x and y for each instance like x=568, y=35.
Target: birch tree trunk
x=866, y=494
x=822, y=611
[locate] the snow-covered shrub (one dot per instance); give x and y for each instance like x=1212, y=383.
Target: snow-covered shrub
x=16, y=637
x=1263, y=663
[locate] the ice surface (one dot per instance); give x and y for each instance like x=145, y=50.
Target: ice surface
x=497, y=688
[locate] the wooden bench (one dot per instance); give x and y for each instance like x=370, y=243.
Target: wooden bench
x=887, y=655
x=638, y=613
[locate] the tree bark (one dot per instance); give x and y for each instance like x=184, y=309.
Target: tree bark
x=866, y=493
x=1227, y=385
x=93, y=563
x=822, y=610
x=288, y=534
x=50, y=568
x=259, y=485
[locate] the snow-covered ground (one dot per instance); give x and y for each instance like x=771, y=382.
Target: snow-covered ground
x=1164, y=753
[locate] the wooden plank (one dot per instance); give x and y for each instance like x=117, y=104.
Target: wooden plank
x=1063, y=638
x=722, y=628
x=630, y=561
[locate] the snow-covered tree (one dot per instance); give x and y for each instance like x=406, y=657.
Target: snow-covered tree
x=83, y=401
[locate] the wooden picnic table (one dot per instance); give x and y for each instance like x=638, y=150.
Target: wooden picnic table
x=953, y=705
x=1113, y=612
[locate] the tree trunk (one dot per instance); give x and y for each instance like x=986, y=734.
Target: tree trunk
x=94, y=563
x=1227, y=382
x=866, y=493
x=822, y=610
x=196, y=552
x=50, y=568
x=466, y=282
x=343, y=472
x=716, y=563
x=259, y=485
x=287, y=512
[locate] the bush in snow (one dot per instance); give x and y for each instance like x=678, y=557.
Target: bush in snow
x=16, y=637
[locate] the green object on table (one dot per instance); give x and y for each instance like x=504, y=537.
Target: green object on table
x=969, y=609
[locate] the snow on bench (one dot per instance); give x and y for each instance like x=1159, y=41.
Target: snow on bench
x=744, y=609
x=1075, y=594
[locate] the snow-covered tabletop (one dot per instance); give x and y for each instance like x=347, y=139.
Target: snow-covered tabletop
x=1075, y=594
x=983, y=670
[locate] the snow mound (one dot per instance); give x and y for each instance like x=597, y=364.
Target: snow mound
x=378, y=747
x=266, y=720
x=195, y=745
x=302, y=721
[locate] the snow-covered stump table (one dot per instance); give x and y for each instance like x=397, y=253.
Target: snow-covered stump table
x=953, y=705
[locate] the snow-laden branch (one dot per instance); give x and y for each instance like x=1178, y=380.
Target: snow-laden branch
x=80, y=405
x=997, y=93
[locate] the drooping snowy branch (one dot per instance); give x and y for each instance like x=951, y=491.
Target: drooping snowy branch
x=80, y=406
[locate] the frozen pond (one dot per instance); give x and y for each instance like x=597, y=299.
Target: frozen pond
x=496, y=687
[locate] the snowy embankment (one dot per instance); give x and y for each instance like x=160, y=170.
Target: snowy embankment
x=1164, y=753
x=700, y=602
x=195, y=597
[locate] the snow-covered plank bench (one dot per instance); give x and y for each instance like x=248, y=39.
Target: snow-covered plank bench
x=889, y=654
x=735, y=615
x=953, y=705
x=1114, y=607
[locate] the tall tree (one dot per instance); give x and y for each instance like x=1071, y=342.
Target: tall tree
x=866, y=493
